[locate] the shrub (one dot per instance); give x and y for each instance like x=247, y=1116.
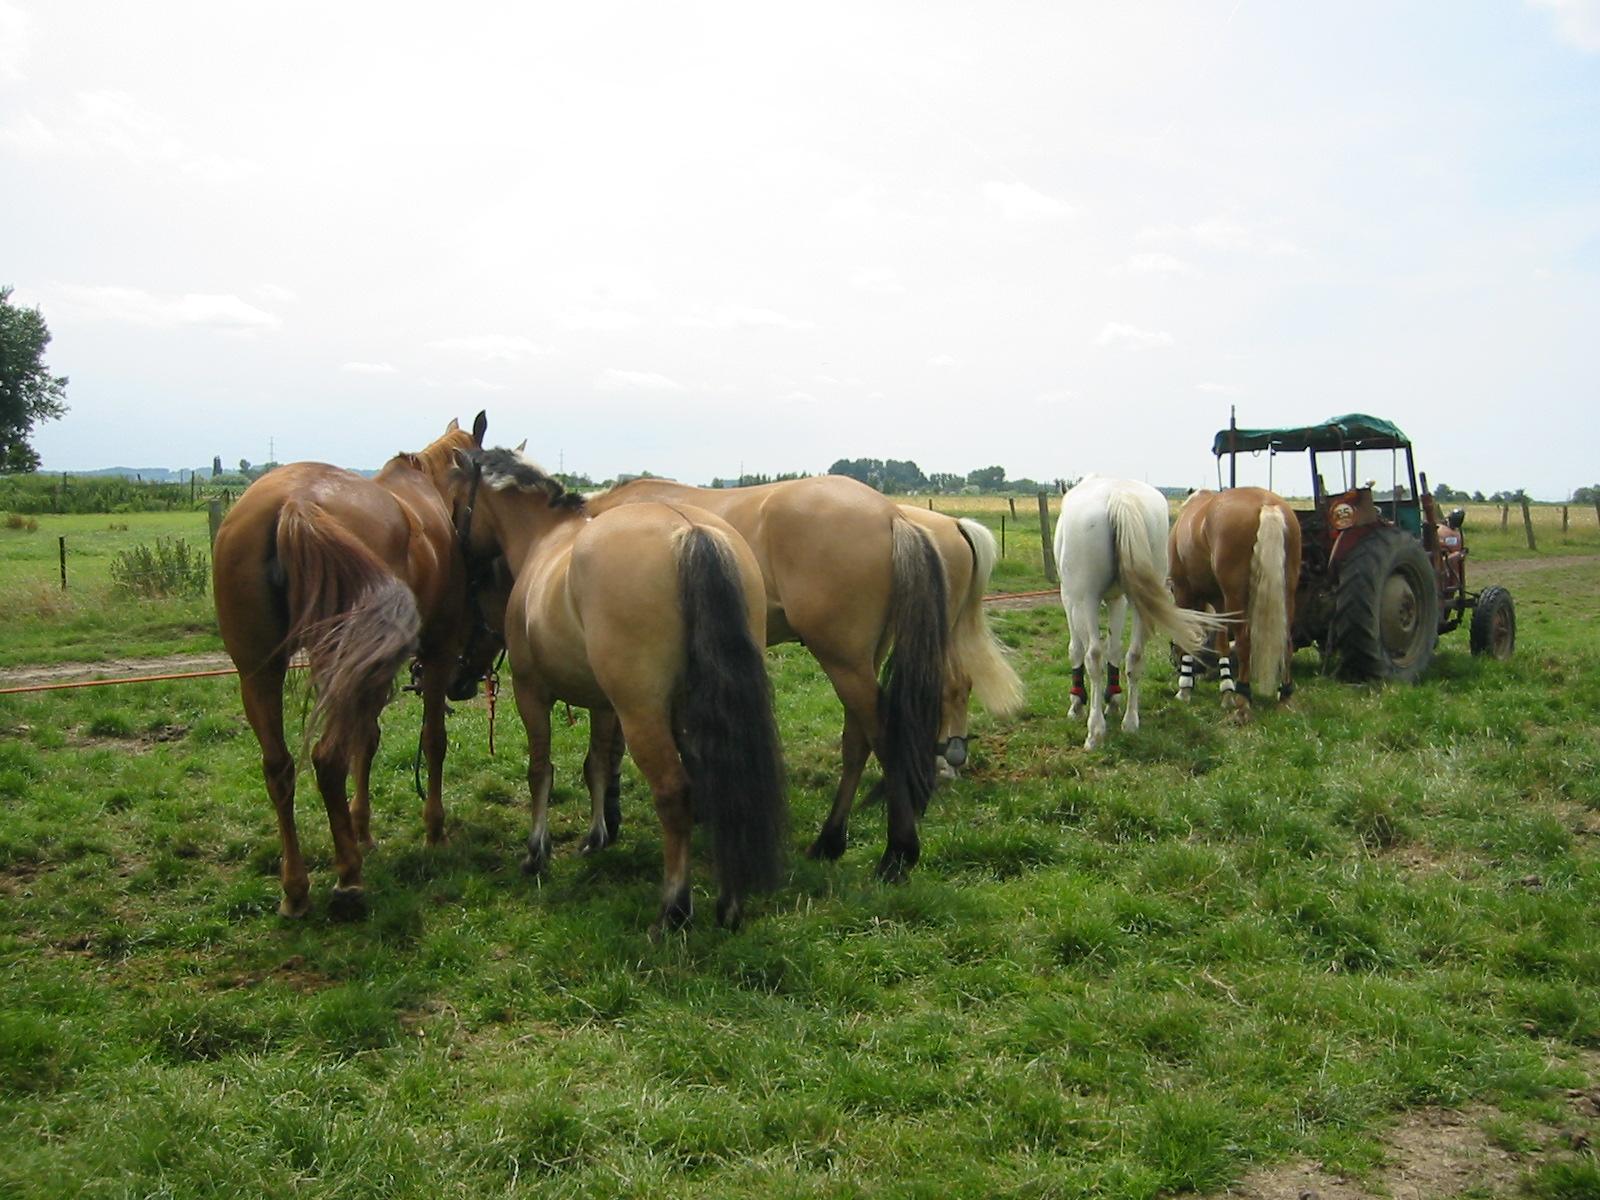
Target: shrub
x=18, y=521
x=169, y=568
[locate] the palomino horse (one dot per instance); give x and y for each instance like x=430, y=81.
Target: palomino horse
x=1111, y=544
x=653, y=617
x=848, y=575
x=1239, y=552
x=974, y=660
x=360, y=574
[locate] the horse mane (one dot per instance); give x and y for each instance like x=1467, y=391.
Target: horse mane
x=506, y=470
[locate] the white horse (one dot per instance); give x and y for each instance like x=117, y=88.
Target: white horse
x=1111, y=546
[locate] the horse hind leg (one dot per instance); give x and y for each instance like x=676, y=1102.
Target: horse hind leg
x=262, y=690
x=1133, y=669
x=859, y=692
x=655, y=752
x=1117, y=611
x=600, y=775
x=1088, y=651
x=332, y=765
x=361, y=802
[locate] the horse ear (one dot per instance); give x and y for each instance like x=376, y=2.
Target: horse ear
x=522, y=445
x=453, y=426
x=480, y=423
x=463, y=461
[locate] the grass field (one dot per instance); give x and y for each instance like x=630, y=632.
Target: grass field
x=1127, y=973
x=86, y=622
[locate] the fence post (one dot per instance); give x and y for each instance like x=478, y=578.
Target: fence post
x=214, y=516
x=1012, y=501
x=930, y=503
x=1002, y=535
x=1050, y=572
x=1505, y=517
x=1563, y=520
x=1527, y=523
x=62, y=540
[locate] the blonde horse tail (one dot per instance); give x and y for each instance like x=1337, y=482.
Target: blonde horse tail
x=1268, y=607
x=913, y=691
x=1142, y=581
x=727, y=734
x=974, y=650
x=354, y=619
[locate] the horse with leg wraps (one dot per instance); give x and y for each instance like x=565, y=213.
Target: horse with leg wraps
x=1111, y=547
x=1239, y=551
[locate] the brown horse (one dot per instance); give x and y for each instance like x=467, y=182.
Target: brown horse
x=1239, y=552
x=850, y=576
x=974, y=660
x=360, y=574
x=653, y=617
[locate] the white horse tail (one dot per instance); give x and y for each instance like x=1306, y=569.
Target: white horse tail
x=974, y=649
x=1143, y=583
x=1268, y=607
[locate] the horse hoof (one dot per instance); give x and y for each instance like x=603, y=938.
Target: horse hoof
x=597, y=839
x=537, y=859
x=1075, y=710
x=729, y=912
x=828, y=846
x=1186, y=694
x=944, y=770
x=294, y=910
x=895, y=865
x=675, y=914
x=1130, y=724
x=348, y=903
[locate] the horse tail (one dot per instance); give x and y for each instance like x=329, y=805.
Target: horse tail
x=1142, y=580
x=912, y=701
x=1268, y=607
x=727, y=734
x=974, y=650
x=354, y=619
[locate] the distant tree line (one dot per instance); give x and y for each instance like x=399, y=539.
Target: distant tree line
x=901, y=476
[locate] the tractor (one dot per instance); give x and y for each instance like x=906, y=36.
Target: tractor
x=1381, y=575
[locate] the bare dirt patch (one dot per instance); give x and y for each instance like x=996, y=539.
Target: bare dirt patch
x=1438, y=1153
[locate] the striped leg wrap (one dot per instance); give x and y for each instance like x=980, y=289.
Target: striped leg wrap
x=1113, y=682
x=1186, y=673
x=1225, y=669
x=1077, y=684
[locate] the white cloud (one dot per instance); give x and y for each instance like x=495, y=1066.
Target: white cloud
x=744, y=317
x=114, y=123
x=1577, y=21
x=1219, y=233
x=878, y=281
x=799, y=397
x=482, y=385
x=944, y=360
x=1155, y=262
x=1116, y=333
x=14, y=42
x=368, y=368
x=139, y=307
x=1217, y=389
x=602, y=320
x=1019, y=202
x=276, y=293
x=638, y=381
x=491, y=347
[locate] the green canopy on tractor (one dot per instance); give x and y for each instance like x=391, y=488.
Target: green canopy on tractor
x=1353, y=431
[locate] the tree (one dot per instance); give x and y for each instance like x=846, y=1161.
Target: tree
x=988, y=479
x=28, y=392
x=1587, y=495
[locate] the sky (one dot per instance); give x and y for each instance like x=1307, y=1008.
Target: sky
x=706, y=238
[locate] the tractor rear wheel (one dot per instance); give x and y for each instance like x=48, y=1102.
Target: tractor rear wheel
x=1494, y=624
x=1386, y=610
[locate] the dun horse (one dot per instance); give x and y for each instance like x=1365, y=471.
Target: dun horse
x=1111, y=544
x=360, y=574
x=850, y=576
x=653, y=617
x=1239, y=551
x=974, y=660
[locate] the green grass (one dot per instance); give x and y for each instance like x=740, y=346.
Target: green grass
x=1125, y=973
x=87, y=621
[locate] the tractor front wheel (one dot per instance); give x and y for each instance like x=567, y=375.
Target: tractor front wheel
x=1494, y=624
x=1386, y=610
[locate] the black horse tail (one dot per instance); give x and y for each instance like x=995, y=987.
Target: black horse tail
x=356, y=621
x=913, y=686
x=726, y=731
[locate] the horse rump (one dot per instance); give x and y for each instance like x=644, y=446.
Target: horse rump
x=355, y=620
x=726, y=732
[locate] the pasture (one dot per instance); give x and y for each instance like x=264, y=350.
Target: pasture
x=1132, y=972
